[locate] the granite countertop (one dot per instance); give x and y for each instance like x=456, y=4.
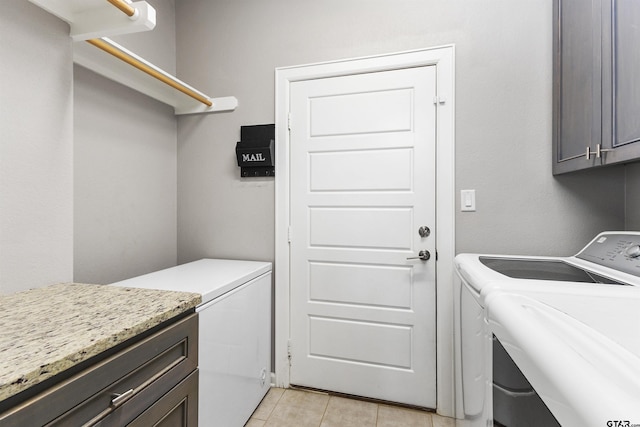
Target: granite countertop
x=48, y=330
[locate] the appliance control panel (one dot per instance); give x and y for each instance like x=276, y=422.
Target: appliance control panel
x=616, y=250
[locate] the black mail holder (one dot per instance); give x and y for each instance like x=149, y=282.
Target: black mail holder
x=254, y=151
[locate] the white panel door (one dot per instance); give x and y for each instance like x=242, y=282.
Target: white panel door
x=362, y=184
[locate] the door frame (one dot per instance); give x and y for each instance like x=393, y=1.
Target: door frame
x=442, y=58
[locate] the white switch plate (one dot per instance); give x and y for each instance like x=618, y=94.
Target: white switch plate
x=468, y=200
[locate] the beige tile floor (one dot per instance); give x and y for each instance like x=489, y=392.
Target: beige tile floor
x=301, y=408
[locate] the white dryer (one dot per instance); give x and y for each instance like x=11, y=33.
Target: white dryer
x=234, y=351
x=497, y=299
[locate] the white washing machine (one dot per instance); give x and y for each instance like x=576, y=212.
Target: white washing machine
x=234, y=348
x=504, y=375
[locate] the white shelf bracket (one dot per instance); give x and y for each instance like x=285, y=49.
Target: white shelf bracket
x=225, y=103
x=103, y=20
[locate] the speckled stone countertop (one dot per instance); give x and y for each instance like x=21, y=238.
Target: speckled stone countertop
x=48, y=330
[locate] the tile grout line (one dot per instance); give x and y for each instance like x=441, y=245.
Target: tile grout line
x=274, y=407
x=324, y=413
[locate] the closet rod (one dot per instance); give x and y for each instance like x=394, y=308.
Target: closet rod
x=101, y=44
x=124, y=7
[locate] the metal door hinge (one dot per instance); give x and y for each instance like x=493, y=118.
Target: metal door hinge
x=289, y=234
x=289, y=121
x=289, y=351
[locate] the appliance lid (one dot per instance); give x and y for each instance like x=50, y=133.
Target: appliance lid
x=210, y=278
x=538, y=269
x=581, y=374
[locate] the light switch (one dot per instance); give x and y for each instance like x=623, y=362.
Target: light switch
x=468, y=200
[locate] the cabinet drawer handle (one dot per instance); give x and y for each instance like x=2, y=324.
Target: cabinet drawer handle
x=600, y=150
x=588, y=153
x=119, y=398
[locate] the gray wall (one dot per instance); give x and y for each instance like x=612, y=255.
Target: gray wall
x=125, y=143
x=503, y=117
x=36, y=151
x=632, y=206
x=125, y=167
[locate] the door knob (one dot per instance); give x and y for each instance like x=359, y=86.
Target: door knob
x=424, y=231
x=422, y=255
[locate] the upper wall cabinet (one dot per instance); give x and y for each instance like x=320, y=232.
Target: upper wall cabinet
x=596, y=91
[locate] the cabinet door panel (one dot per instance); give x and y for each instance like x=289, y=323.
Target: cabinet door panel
x=626, y=72
x=578, y=77
x=177, y=408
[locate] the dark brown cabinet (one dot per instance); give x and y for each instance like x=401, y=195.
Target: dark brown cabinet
x=177, y=408
x=596, y=92
x=153, y=381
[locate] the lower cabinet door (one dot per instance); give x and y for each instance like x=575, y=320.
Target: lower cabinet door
x=179, y=407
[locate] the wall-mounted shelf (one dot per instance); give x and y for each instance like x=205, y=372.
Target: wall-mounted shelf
x=147, y=82
x=90, y=19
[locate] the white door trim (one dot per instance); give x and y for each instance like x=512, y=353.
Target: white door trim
x=443, y=58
